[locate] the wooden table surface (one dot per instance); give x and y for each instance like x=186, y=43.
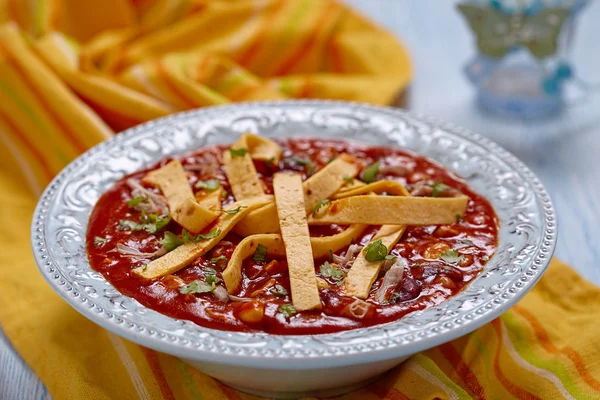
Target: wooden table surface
x=563, y=151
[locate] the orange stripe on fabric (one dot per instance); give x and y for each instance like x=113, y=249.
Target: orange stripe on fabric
x=309, y=42
x=337, y=65
x=229, y=392
x=546, y=342
x=62, y=126
x=172, y=86
x=513, y=389
x=114, y=119
x=154, y=364
x=247, y=56
x=385, y=393
x=49, y=174
x=462, y=369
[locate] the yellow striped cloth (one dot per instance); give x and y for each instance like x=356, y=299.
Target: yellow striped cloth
x=74, y=72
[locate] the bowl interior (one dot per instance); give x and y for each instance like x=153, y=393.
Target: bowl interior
x=526, y=239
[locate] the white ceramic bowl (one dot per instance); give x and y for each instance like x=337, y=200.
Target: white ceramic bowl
x=290, y=366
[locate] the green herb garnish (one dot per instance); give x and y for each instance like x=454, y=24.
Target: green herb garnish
x=451, y=256
x=319, y=205
x=209, y=271
x=211, y=185
x=217, y=259
x=369, y=175
x=241, y=152
x=196, y=287
x=270, y=162
x=459, y=218
x=287, y=310
x=130, y=225
x=377, y=251
x=99, y=241
x=210, y=235
x=349, y=179
x=135, y=201
x=278, y=290
x=437, y=188
x=467, y=242
x=298, y=160
x=151, y=223
x=330, y=255
x=329, y=271
x=213, y=279
x=233, y=211
x=187, y=237
x=260, y=254
x=170, y=241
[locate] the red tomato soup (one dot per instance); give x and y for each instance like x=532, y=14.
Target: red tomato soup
x=439, y=260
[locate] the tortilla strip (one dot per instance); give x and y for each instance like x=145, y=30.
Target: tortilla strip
x=391, y=187
x=173, y=183
x=241, y=173
x=232, y=275
x=392, y=210
x=210, y=200
x=183, y=255
x=318, y=187
x=321, y=246
x=363, y=273
x=289, y=199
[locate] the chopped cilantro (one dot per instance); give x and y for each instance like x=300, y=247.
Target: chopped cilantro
x=233, y=211
x=319, y=205
x=213, y=279
x=130, y=225
x=369, y=175
x=241, y=152
x=459, y=218
x=196, y=287
x=224, y=193
x=310, y=170
x=467, y=242
x=99, y=241
x=211, y=185
x=437, y=188
x=209, y=271
x=170, y=241
x=330, y=255
x=329, y=271
x=210, y=235
x=377, y=251
x=349, y=179
x=287, y=310
x=187, y=237
x=260, y=254
x=451, y=256
x=217, y=259
x=270, y=162
x=299, y=161
x=135, y=201
x=151, y=223
x=278, y=290
x=145, y=267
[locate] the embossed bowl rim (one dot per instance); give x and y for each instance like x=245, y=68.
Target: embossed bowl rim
x=382, y=342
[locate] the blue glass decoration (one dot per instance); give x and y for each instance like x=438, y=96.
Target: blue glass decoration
x=520, y=68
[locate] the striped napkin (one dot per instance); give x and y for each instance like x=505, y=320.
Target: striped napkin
x=72, y=73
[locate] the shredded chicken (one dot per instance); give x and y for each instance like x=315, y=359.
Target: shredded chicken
x=398, y=170
x=154, y=203
x=391, y=278
x=130, y=251
x=348, y=257
x=359, y=308
x=221, y=294
x=208, y=164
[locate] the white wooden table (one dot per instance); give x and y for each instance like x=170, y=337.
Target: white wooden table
x=564, y=152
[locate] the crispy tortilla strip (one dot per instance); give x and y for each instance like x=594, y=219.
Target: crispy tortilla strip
x=392, y=210
x=232, y=275
x=318, y=187
x=183, y=255
x=184, y=209
x=210, y=200
x=363, y=273
x=241, y=173
x=321, y=246
x=289, y=199
x=391, y=187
